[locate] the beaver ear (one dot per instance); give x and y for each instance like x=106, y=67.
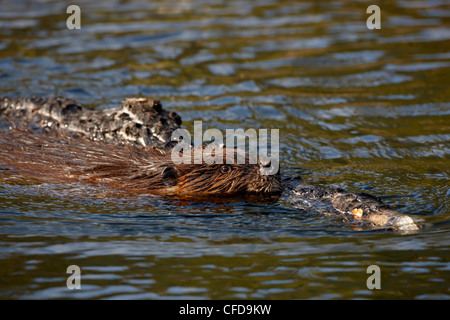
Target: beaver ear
x=170, y=176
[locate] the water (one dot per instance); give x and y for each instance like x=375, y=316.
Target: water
x=365, y=110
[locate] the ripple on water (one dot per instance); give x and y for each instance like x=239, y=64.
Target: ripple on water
x=356, y=108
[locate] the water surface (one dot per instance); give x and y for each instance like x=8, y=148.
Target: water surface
x=365, y=110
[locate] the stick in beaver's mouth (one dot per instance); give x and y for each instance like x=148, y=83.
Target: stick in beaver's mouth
x=361, y=209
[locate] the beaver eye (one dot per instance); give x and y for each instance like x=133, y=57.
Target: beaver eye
x=225, y=169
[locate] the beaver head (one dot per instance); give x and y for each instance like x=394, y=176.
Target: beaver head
x=242, y=178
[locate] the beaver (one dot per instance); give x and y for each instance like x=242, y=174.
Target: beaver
x=58, y=156
x=129, y=148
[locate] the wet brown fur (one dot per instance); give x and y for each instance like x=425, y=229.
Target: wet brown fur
x=59, y=157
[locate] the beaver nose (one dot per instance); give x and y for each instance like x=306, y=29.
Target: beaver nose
x=265, y=162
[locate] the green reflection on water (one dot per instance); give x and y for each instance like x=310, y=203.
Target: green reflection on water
x=360, y=109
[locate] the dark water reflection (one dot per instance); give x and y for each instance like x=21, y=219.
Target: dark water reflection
x=366, y=110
